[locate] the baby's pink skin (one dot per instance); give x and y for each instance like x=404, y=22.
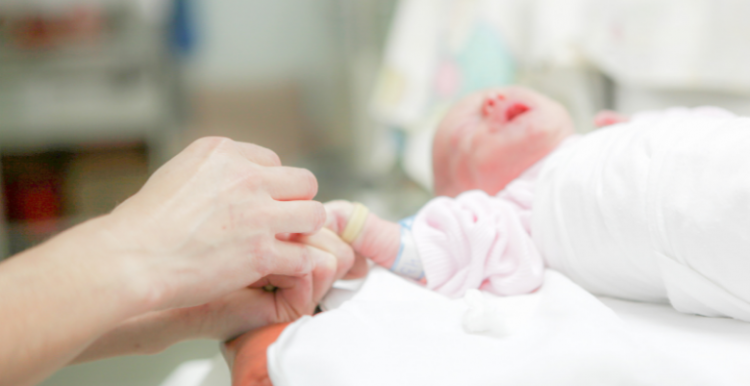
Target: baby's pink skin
x=609, y=117
x=378, y=241
x=491, y=137
x=484, y=142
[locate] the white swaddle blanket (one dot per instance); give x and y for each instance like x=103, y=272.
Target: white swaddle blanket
x=657, y=209
x=393, y=332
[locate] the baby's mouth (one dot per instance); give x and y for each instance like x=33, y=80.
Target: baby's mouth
x=515, y=110
x=500, y=110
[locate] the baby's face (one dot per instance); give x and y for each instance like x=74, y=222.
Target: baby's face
x=491, y=137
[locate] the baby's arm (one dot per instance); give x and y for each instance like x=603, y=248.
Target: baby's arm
x=386, y=243
x=471, y=241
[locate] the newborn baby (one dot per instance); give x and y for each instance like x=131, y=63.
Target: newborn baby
x=480, y=239
x=651, y=209
x=654, y=208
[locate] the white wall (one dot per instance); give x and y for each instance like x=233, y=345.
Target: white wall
x=261, y=41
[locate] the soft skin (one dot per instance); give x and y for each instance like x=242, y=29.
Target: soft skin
x=183, y=258
x=484, y=142
x=491, y=137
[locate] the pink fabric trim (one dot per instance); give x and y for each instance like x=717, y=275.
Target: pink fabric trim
x=480, y=241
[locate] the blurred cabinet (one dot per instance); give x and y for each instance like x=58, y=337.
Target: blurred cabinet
x=80, y=78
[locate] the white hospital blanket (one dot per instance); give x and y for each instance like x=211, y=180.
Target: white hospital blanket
x=654, y=210
x=393, y=332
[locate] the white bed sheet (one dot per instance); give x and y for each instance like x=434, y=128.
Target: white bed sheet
x=391, y=331
x=720, y=344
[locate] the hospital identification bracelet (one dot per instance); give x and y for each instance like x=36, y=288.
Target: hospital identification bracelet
x=408, y=262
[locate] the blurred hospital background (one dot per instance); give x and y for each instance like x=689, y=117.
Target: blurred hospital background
x=96, y=94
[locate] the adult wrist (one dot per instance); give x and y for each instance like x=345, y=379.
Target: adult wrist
x=100, y=244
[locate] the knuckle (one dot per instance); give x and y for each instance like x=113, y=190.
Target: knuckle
x=263, y=215
x=308, y=180
x=210, y=143
x=319, y=215
x=346, y=255
x=264, y=155
x=264, y=251
x=304, y=261
x=331, y=262
x=271, y=157
x=253, y=178
x=265, y=247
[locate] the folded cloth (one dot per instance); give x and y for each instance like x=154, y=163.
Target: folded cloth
x=654, y=210
x=394, y=332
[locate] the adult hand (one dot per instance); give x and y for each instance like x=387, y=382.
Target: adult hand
x=205, y=223
x=237, y=312
x=202, y=227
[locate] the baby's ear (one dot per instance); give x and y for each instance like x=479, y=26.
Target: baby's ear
x=609, y=117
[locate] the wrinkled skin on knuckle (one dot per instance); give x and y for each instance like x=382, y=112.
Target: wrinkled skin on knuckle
x=329, y=263
x=287, y=312
x=263, y=253
x=209, y=144
x=319, y=215
x=346, y=252
x=346, y=258
x=257, y=215
x=252, y=180
x=310, y=183
x=304, y=260
x=248, y=175
x=270, y=156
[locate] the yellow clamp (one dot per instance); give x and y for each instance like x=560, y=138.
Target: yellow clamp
x=356, y=223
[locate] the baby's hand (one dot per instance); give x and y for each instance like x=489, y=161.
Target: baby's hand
x=378, y=240
x=609, y=117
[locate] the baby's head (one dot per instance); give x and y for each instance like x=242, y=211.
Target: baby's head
x=491, y=137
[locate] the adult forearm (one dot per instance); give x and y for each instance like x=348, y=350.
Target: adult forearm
x=154, y=332
x=57, y=298
x=146, y=334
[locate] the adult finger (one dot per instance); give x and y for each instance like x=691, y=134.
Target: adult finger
x=292, y=295
x=280, y=281
x=257, y=154
x=285, y=258
x=303, y=292
x=287, y=184
x=297, y=217
x=292, y=259
x=323, y=275
x=358, y=269
x=328, y=241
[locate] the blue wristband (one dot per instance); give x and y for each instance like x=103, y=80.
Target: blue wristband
x=408, y=262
